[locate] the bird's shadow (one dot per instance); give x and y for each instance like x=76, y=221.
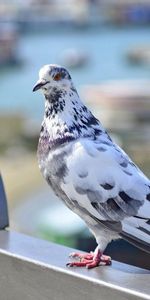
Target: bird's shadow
x=128, y=268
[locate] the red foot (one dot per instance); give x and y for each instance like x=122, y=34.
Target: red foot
x=82, y=255
x=90, y=260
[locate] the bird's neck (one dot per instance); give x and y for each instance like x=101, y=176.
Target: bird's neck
x=67, y=118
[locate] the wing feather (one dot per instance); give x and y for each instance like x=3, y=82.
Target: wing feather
x=98, y=177
x=104, y=180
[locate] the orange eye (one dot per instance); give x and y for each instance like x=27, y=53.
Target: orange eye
x=57, y=76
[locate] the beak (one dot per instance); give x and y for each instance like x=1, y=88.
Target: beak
x=38, y=85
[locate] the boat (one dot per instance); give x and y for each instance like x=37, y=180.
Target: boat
x=139, y=55
x=74, y=58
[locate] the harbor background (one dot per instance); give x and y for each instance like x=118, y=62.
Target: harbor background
x=106, y=47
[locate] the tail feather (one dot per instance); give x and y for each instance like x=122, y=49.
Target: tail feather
x=136, y=242
x=144, y=211
x=136, y=230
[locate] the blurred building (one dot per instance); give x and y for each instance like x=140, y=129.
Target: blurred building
x=46, y=10
x=78, y=12
x=127, y=11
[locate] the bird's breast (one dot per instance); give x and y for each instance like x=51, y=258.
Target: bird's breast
x=52, y=162
x=43, y=149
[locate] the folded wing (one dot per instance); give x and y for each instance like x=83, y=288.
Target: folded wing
x=106, y=184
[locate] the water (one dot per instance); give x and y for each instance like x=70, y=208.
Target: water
x=106, y=48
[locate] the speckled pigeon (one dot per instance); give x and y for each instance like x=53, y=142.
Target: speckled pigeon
x=92, y=175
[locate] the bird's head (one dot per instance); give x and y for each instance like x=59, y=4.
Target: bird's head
x=53, y=76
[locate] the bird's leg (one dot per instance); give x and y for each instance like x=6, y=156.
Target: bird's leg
x=90, y=260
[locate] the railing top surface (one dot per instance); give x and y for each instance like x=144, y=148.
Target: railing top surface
x=127, y=279
x=35, y=269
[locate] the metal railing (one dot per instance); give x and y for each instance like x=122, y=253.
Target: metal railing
x=33, y=269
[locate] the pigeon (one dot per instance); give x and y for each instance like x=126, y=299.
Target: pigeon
x=88, y=171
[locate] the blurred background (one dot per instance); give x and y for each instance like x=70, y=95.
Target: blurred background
x=106, y=46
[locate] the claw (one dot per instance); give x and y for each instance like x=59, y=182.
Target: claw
x=77, y=264
x=106, y=259
x=81, y=255
x=89, y=260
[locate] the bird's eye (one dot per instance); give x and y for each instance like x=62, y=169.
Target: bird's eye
x=57, y=76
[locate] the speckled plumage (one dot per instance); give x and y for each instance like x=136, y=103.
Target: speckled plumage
x=86, y=169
